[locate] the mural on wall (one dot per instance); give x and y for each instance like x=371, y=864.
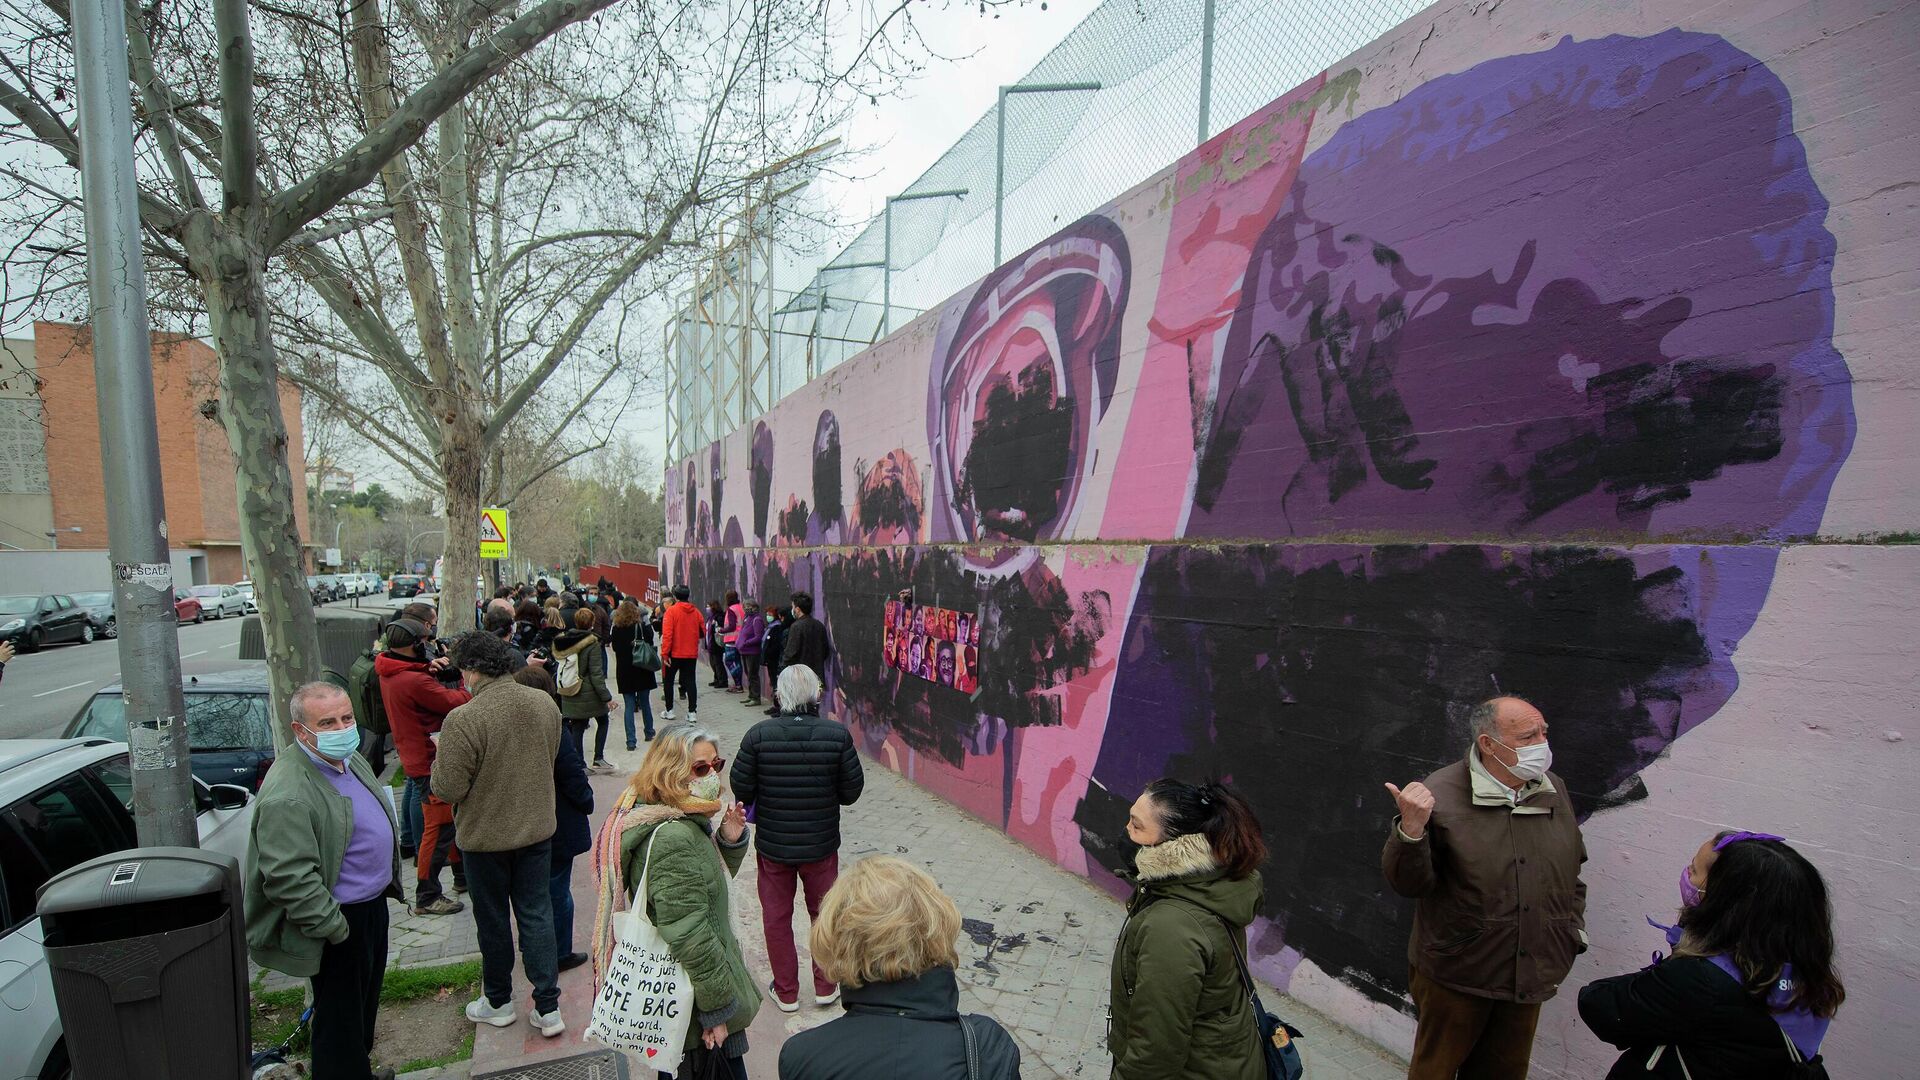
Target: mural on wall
x=1275, y=466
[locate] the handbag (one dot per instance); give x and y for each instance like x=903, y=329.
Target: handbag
x=644, y=655
x=645, y=1002
x=704, y=1064
x=1276, y=1035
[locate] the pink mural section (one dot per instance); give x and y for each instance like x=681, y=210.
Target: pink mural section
x=1523, y=351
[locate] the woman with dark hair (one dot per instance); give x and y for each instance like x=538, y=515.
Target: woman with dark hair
x=636, y=683
x=716, y=643
x=1750, y=988
x=1178, y=1006
x=528, y=617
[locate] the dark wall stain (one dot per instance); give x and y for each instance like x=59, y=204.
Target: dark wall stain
x=1308, y=676
x=760, y=478
x=826, y=468
x=1018, y=461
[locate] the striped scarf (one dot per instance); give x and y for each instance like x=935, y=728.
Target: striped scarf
x=610, y=890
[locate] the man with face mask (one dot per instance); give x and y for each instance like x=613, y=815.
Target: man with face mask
x=1490, y=847
x=495, y=765
x=321, y=864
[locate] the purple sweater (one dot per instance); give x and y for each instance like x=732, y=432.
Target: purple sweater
x=753, y=631
x=367, y=869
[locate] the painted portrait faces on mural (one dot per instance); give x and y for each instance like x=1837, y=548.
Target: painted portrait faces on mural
x=1019, y=385
x=1489, y=375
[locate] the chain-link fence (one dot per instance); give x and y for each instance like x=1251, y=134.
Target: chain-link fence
x=1136, y=85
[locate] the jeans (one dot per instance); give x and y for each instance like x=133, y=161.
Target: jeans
x=752, y=664
x=560, y=893
x=643, y=700
x=438, y=848
x=411, y=796
x=517, y=882
x=682, y=669
x=346, y=993
x=602, y=723
x=736, y=1070
x=776, y=882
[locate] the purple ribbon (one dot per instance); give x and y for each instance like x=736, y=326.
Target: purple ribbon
x=1734, y=838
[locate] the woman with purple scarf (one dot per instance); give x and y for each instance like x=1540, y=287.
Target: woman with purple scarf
x=1750, y=988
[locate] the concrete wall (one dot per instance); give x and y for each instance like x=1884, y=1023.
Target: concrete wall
x=26, y=504
x=72, y=571
x=1560, y=348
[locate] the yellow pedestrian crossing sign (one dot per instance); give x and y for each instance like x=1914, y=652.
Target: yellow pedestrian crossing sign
x=493, y=533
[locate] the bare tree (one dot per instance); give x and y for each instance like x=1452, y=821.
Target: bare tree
x=195, y=79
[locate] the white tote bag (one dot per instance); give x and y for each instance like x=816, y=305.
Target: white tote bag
x=646, y=1000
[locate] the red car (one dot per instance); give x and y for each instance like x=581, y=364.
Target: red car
x=187, y=609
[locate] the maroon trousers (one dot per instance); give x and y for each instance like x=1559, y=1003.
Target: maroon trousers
x=776, y=885
x=1469, y=1037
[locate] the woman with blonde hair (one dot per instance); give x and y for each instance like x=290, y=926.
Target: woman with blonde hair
x=886, y=933
x=676, y=794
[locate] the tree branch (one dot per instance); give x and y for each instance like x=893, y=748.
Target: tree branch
x=334, y=181
x=239, y=134
x=309, y=237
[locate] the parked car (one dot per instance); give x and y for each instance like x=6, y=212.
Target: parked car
x=320, y=593
x=229, y=720
x=32, y=621
x=99, y=607
x=336, y=588
x=219, y=601
x=404, y=585
x=62, y=802
x=375, y=584
x=245, y=589
x=187, y=609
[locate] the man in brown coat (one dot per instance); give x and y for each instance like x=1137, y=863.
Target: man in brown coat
x=1490, y=848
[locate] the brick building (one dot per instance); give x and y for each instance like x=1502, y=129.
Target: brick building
x=50, y=471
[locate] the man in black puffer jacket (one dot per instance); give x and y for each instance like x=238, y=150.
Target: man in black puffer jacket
x=797, y=770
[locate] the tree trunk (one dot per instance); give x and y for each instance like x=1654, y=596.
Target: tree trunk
x=461, y=458
x=235, y=285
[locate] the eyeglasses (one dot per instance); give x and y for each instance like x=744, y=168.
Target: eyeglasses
x=702, y=768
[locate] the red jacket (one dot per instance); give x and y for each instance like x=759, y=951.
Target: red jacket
x=680, y=631
x=416, y=704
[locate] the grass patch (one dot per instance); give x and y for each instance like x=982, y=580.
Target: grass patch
x=460, y=1053
x=412, y=984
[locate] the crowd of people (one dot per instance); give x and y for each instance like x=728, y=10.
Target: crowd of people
x=490, y=730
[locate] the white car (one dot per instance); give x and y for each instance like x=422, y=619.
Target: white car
x=245, y=589
x=219, y=601
x=62, y=802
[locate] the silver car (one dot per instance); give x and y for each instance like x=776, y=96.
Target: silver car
x=219, y=601
x=62, y=802
x=245, y=589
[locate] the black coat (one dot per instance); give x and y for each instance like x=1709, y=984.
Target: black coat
x=1689, y=1003
x=797, y=771
x=807, y=643
x=906, y=1030
x=572, y=804
x=773, y=646
x=630, y=677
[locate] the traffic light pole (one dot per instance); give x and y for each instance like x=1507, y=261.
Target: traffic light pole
x=163, y=804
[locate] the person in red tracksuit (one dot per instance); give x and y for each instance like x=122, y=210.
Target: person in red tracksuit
x=681, y=631
x=417, y=702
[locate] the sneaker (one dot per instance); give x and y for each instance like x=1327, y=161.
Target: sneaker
x=668, y=715
x=827, y=999
x=649, y=736
x=631, y=747
x=601, y=765
x=735, y=690
x=782, y=1004
x=460, y=885
x=482, y=1011
x=549, y=1024
x=693, y=718
x=441, y=905
x=750, y=702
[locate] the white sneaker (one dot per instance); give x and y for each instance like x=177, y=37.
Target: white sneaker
x=829, y=999
x=784, y=1006
x=549, y=1024
x=482, y=1011
x=668, y=715
x=693, y=718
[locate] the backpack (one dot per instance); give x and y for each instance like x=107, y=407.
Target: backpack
x=566, y=673
x=363, y=689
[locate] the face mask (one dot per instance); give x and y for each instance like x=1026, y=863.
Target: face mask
x=335, y=744
x=1129, y=853
x=1690, y=895
x=707, y=787
x=1534, y=761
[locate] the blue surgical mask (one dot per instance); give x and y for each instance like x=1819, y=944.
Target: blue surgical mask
x=338, y=745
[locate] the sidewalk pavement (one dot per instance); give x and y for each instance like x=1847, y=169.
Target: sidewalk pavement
x=1038, y=940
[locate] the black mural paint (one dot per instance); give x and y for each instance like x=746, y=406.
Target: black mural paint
x=793, y=523
x=690, y=506
x=1019, y=458
x=760, y=478
x=717, y=484
x=884, y=503
x=1306, y=678
x=827, y=500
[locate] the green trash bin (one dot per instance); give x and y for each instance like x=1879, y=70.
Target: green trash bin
x=147, y=949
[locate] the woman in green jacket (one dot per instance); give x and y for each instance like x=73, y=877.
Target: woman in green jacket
x=1178, y=1006
x=676, y=793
